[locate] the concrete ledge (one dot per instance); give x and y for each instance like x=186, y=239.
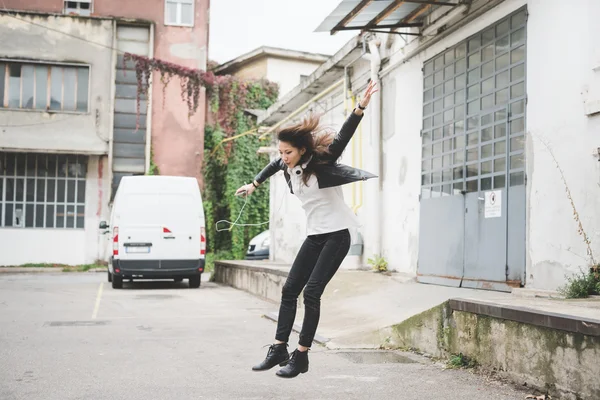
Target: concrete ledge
x=536, y=293
x=255, y=266
x=529, y=347
x=254, y=277
x=545, y=319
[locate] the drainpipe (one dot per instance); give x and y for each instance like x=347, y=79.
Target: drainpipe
x=375, y=118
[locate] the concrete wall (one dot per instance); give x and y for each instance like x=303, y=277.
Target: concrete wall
x=256, y=69
x=557, y=362
x=178, y=141
x=65, y=246
x=283, y=71
x=287, y=73
x=402, y=142
x=60, y=132
x=561, y=86
x=266, y=283
x=556, y=114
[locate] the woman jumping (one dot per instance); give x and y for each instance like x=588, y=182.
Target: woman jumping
x=308, y=158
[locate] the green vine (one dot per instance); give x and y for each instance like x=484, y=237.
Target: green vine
x=229, y=165
x=153, y=167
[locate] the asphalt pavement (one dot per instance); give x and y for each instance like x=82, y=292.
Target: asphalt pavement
x=70, y=336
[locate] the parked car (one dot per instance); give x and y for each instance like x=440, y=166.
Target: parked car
x=258, y=249
x=157, y=230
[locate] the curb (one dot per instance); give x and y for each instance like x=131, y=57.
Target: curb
x=296, y=328
x=17, y=270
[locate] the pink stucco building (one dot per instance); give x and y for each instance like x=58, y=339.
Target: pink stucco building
x=67, y=98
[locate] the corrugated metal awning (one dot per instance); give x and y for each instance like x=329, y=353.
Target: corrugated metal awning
x=369, y=15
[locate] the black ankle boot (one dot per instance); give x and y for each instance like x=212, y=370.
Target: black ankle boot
x=277, y=354
x=298, y=365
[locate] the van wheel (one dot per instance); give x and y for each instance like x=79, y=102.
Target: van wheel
x=109, y=276
x=195, y=282
x=178, y=279
x=117, y=282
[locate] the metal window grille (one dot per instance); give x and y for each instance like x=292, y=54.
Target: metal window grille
x=474, y=112
x=42, y=190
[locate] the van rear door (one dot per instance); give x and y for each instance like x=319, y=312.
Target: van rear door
x=160, y=226
x=181, y=220
x=139, y=227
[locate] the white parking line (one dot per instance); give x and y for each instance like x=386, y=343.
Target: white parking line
x=98, y=298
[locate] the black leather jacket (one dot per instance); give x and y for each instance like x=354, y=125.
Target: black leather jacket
x=328, y=172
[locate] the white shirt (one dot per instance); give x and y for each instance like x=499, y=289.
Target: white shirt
x=326, y=210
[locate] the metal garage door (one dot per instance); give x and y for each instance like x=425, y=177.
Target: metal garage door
x=472, y=222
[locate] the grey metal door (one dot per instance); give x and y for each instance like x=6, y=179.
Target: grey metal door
x=472, y=219
x=485, y=204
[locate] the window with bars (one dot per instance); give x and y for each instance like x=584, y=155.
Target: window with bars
x=48, y=87
x=474, y=112
x=42, y=190
x=179, y=12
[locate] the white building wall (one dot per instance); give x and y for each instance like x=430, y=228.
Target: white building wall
x=401, y=168
x=287, y=73
x=34, y=130
x=401, y=126
x=561, y=85
x=64, y=246
x=560, y=79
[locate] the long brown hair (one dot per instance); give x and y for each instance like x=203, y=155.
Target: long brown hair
x=309, y=135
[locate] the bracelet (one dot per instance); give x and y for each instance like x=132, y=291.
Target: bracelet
x=254, y=184
x=361, y=107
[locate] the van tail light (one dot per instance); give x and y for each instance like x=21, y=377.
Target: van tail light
x=202, y=241
x=115, y=241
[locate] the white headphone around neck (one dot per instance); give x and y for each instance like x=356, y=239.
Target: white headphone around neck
x=298, y=170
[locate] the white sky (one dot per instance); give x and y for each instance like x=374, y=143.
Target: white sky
x=240, y=26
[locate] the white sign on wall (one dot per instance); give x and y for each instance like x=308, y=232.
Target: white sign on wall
x=493, y=204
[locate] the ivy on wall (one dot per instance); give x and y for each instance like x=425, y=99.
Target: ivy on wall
x=228, y=164
x=232, y=164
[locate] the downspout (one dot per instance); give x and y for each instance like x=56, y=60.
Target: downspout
x=375, y=117
x=348, y=95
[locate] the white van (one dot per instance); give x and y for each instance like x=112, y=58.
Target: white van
x=157, y=230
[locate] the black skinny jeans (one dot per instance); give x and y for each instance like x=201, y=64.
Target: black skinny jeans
x=317, y=261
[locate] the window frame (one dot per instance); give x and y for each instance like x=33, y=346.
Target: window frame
x=49, y=65
x=77, y=11
x=77, y=182
x=179, y=13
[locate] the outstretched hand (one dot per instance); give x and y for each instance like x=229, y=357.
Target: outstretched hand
x=364, y=102
x=245, y=190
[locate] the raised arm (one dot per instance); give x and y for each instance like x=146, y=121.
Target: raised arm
x=342, y=139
